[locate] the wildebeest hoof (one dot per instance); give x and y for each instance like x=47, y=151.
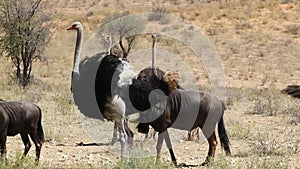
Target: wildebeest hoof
x=206, y=162
x=181, y=165
x=175, y=163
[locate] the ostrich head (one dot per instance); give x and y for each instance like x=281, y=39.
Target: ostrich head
x=154, y=36
x=75, y=26
x=108, y=40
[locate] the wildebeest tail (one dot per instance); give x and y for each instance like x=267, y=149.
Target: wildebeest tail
x=172, y=78
x=40, y=130
x=223, y=135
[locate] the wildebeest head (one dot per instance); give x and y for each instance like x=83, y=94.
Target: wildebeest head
x=143, y=128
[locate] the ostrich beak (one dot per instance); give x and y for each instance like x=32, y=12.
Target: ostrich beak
x=71, y=28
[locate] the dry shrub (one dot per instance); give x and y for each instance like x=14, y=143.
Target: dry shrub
x=158, y=12
x=293, y=29
x=266, y=144
x=272, y=103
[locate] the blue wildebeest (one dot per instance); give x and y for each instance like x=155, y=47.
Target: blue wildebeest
x=186, y=110
x=24, y=118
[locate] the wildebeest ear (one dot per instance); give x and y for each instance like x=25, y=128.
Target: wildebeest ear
x=143, y=128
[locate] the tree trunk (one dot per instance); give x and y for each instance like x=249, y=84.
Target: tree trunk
x=26, y=74
x=18, y=73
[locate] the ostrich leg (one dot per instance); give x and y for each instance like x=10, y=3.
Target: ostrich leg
x=114, y=138
x=128, y=132
x=123, y=135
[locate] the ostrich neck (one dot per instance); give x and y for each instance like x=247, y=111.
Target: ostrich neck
x=109, y=46
x=153, y=53
x=77, y=51
x=154, y=56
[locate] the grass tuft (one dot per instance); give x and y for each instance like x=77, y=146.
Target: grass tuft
x=19, y=162
x=142, y=163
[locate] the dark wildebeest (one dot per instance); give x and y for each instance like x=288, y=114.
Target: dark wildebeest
x=24, y=118
x=187, y=110
x=293, y=90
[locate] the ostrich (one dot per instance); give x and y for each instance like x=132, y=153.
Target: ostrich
x=117, y=91
x=109, y=41
x=155, y=76
x=83, y=78
x=114, y=138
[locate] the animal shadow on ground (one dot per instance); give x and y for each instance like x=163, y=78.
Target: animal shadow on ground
x=183, y=165
x=93, y=144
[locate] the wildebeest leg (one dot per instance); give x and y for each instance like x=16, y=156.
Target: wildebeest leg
x=3, y=142
x=159, y=145
x=26, y=142
x=169, y=145
x=37, y=143
x=114, y=138
x=212, y=141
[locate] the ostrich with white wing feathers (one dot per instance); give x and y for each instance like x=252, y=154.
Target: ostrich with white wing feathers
x=156, y=77
x=83, y=78
x=117, y=92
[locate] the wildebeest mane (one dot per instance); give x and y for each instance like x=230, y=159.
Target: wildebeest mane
x=155, y=78
x=172, y=79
